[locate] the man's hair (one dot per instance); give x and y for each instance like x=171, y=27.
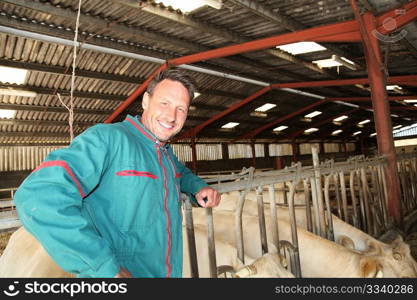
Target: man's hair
x=174, y=74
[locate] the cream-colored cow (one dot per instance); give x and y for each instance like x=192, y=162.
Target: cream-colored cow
x=24, y=256
x=396, y=256
x=319, y=257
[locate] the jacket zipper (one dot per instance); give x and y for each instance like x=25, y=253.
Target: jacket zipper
x=166, y=212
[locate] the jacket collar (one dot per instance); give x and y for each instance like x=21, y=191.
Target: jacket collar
x=136, y=126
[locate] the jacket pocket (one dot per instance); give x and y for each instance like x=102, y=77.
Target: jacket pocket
x=136, y=173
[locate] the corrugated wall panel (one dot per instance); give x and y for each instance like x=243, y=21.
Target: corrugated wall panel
x=239, y=151
x=280, y=149
x=183, y=152
x=259, y=150
x=306, y=148
x=209, y=151
x=351, y=147
x=331, y=147
x=23, y=158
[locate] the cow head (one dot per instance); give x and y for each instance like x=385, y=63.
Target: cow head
x=395, y=258
x=270, y=265
x=370, y=268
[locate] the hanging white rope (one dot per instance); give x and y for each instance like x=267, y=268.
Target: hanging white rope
x=70, y=108
x=74, y=60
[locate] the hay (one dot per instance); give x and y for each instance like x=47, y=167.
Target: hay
x=4, y=239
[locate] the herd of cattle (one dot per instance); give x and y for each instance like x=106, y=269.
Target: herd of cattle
x=355, y=254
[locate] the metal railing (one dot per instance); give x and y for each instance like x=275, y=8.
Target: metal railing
x=354, y=190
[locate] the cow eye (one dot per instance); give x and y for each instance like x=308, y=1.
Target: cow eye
x=397, y=256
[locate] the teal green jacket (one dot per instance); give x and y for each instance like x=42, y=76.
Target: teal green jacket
x=109, y=200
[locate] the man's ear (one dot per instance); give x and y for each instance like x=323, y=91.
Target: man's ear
x=145, y=100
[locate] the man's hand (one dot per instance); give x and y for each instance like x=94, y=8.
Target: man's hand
x=123, y=273
x=211, y=195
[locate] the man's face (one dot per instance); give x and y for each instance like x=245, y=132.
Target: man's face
x=165, y=111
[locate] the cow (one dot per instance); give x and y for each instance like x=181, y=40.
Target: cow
x=270, y=265
x=395, y=255
x=315, y=251
x=24, y=256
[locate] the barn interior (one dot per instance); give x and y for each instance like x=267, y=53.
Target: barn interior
x=282, y=86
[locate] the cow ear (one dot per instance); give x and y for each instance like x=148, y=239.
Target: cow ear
x=370, y=268
x=373, y=248
x=398, y=240
x=346, y=241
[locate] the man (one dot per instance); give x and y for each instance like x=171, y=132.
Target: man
x=109, y=204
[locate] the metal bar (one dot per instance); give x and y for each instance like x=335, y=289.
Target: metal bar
x=353, y=197
x=261, y=217
x=274, y=218
x=293, y=223
x=329, y=231
x=211, y=243
x=344, y=197
x=316, y=219
x=190, y=236
x=368, y=216
x=317, y=177
x=337, y=194
x=308, y=205
x=238, y=227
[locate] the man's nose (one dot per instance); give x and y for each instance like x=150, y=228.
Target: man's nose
x=171, y=115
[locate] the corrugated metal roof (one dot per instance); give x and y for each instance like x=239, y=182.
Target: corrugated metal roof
x=104, y=80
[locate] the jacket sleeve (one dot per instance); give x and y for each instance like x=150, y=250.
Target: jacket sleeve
x=49, y=205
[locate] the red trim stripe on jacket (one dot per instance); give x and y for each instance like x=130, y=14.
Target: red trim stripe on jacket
x=63, y=164
x=135, y=173
x=166, y=212
x=140, y=129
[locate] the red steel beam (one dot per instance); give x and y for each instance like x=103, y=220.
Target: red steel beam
x=348, y=30
x=135, y=94
x=341, y=82
x=255, y=132
x=303, y=35
x=194, y=131
x=360, y=99
x=322, y=122
x=395, y=12
x=382, y=115
x=397, y=17
x=327, y=133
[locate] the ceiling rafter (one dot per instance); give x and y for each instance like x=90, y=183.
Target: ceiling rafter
x=233, y=63
x=282, y=20
x=216, y=31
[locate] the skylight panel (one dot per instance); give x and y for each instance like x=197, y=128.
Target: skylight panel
x=12, y=75
x=313, y=114
x=230, y=125
x=265, y=107
x=301, y=47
